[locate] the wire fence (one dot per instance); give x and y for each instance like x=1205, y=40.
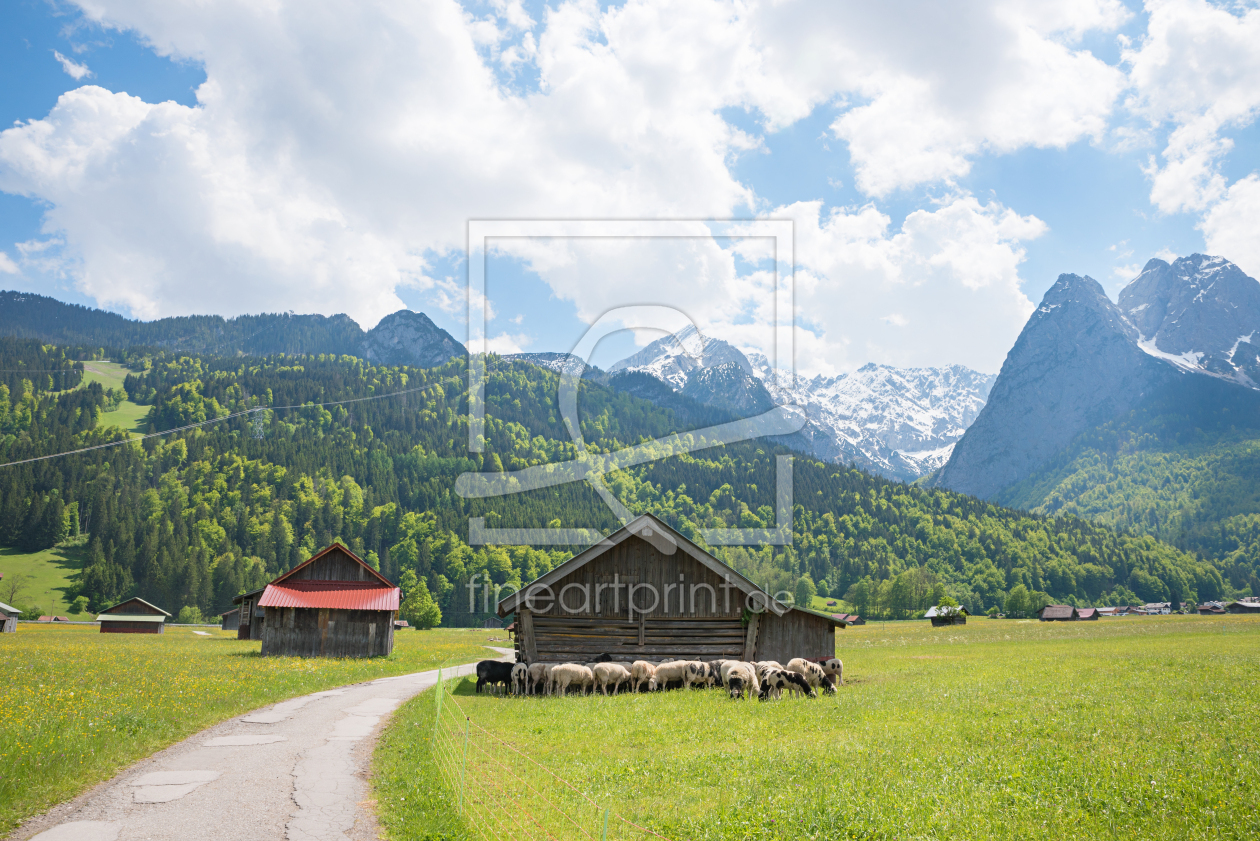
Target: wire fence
x=503, y=792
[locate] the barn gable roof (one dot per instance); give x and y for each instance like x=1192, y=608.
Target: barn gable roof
x=135, y=601
x=1058, y=611
x=376, y=593
x=666, y=539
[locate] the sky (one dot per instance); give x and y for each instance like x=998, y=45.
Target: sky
x=942, y=163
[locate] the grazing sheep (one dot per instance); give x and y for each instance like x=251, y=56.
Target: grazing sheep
x=776, y=680
x=520, y=674
x=764, y=666
x=833, y=668
x=727, y=665
x=812, y=672
x=641, y=671
x=673, y=672
x=715, y=671
x=494, y=673
x=741, y=678
x=614, y=673
x=698, y=672
x=570, y=674
x=539, y=676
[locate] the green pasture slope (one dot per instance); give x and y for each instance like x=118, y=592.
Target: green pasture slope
x=129, y=416
x=1121, y=728
x=50, y=571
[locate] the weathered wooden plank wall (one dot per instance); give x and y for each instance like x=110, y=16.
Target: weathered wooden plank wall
x=323, y=632
x=794, y=634
x=334, y=566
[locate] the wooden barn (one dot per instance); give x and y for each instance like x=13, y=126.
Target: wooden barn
x=938, y=618
x=134, y=616
x=647, y=592
x=1058, y=613
x=332, y=605
x=231, y=621
x=251, y=617
x=8, y=618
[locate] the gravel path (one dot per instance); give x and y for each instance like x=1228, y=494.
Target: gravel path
x=296, y=770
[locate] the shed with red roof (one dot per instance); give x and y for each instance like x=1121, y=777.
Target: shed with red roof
x=332, y=605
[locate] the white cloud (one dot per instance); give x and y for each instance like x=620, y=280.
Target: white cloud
x=949, y=277
x=1229, y=228
x=1196, y=70
x=73, y=68
x=506, y=343
x=333, y=151
x=7, y=266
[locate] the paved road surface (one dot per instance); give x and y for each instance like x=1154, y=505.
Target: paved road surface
x=296, y=771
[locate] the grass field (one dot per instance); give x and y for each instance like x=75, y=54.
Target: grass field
x=50, y=572
x=128, y=416
x=80, y=705
x=1001, y=728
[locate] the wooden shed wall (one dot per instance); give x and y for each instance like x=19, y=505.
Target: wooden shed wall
x=714, y=630
x=8, y=623
x=323, y=632
x=132, y=627
x=794, y=634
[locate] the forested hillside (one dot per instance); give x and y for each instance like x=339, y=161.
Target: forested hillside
x=26, y=315
x=196, y=517
x=1184, y=467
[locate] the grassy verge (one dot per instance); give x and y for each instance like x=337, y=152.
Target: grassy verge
x=50, y=572
x=79, y=706
x=1000, y=728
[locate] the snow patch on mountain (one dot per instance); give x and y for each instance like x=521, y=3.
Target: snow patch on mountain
x=900, y=422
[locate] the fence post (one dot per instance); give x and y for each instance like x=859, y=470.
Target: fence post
x=463, y=772
x=437, y=719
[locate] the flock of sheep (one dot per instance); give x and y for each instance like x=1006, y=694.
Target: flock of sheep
x=765, y=679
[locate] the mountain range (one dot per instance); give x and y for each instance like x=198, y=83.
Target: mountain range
x=1083, y=361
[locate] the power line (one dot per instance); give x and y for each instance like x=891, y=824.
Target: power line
x=215, y=420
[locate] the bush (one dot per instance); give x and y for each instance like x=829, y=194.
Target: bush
x=189, y=615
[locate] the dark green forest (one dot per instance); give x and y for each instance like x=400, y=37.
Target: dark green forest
x=197, y=516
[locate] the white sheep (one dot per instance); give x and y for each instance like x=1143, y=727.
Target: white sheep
x=570, y=674
x=614, y=673
x=730, y=665
x=834, y=668
x=812, y=672
x=641, y=671
x=741, y=678
x=667, y=673
x=539, y=673
x=520, y=675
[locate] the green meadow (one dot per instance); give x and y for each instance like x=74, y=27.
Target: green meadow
x=129, y=416
x=46, y=576
x=1125, y=728
x=80, y=705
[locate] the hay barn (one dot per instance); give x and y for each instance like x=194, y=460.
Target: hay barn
x=332, y=605
x=1058, y=613
x=134, y=616
x=251, y=617
x=8, y=618
x=939, y=619
x=602, y=602
x=231, y=621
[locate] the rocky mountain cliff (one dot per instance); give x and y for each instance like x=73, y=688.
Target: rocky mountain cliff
x=1200, y=313
x=1082, y=361
x=409, y=338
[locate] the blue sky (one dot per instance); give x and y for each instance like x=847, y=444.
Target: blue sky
x=940, y=179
